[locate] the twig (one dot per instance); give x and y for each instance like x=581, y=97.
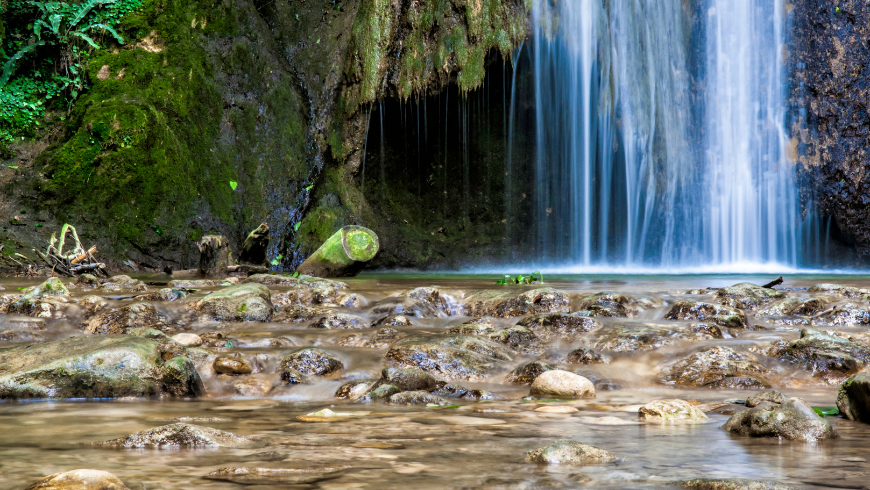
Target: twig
x=771, y=284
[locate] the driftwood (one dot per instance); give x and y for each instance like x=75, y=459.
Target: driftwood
x=254, y=249
x=771, y=284
x=343, y=254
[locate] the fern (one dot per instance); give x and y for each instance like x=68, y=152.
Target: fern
x=10, y=65
x=108, y=29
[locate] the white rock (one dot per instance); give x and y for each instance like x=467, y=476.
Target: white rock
x=188, y=339
x=562, y=384
x=80, y=480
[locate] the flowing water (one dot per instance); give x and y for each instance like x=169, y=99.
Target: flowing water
x=470, y=445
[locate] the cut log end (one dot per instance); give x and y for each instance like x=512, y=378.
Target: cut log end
x=360, y=244
x=342, y=254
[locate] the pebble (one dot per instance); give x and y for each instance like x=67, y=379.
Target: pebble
x=188, y=339
x=227, y=365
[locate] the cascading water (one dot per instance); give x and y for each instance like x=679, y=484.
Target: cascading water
x=652, y=152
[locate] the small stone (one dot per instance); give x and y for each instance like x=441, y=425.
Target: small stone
x=188, y=339
x=562, y=384
x=585, y=356
x=354, y=390
x=408, y=379
x=770, y=396
x=308, y=361
x=670, y=411
x=732, y=484
x=80, y=480
x=393, y=321
x=418, y=398
x=382, y=392
x=227, y=365
x=566, y=451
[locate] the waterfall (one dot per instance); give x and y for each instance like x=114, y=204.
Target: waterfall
x=660, y=135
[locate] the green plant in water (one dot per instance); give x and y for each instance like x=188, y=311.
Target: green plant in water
x=827, y=411
x=533, y=278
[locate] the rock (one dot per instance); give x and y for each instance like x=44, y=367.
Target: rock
x=6, y=300
x=286, y=476
x=408, y=379
x=21, y=328
x=718, y=367
x=720, y=315
x=632, y=338
x=229, y=365
x=794, y=306
x=214, y=256
x=307, y=290
x=308, y=362
x=165, y=294
x=417, y=398
x=526, y=374
x=188, y=339
x=505, y=303
x=562, y=384
x=393, y=321
x=448, y=356
x=51, y=287
x=254, y=248
x=471, y=329
x=830, y=358
x=239, y=303
x=670, y=411
x=609, y=304
x=747, y=296
x=846, y=315
x=840, y=290
x=422, y=302
x=40, y=301
x=88, y=281
x=340, y=321
x=253, y=387
x=343, y=254
x=383, y=338
x=566, y=451
x=382, y=392
x=80, y=480
x=123, y=284
x=853, y=399
x=793, y=420
x=769, y=396
x=560, y=325
x=732, y=484
x=95, y=367
x=180, y=435
x=583, y=355
x=354, y=390
x=122, y=320
x=193, y=284
x=458, y=391
x=515, y=337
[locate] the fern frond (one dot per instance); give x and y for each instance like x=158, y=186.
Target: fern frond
x=105, y=27
x=86, y=38
x=85, y=10
x=9, y=67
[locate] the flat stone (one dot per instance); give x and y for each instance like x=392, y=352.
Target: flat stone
x=718, y=367
x=188, y=339
x=562, y=384
x=180, y=435
x=230, y=365
x=276, y=475
x=671, y=411
x=80, y=480
x=566, y=451
x=253, y=387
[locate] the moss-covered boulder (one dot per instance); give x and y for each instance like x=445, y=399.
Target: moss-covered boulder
x=794, y=420
x=42, y=301
x=80, y=480
x=718, y=367
x=448, y=356
x=853, y=399
x=238, y=303
x=122, y=320
x=105, y=366
x=723, y=316
x=747, y=296
x=566, y=451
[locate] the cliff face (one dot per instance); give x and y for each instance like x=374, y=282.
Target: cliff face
x=830, y=122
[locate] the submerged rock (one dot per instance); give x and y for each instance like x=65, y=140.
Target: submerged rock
x=188, y=339
x=340, y=321
x=239, y=303
x=229, y=365
x=471, y=329
x=583, y=355
x=297, y=365
x=417, y=398
x=80, y=480
x=165, y=294
x=840, y=290
x=125, y=284
x=408, y=379
x=795, y=306
x=448, y=356
x=609, y=304
x=732, y=484
x=631, y=338
x=180, y=435
x=515, y=337
x=381, y=339
x=21, y=328
x=563, y=325
x=793, y=420
x=526, y=374
x=393, y=321
x=670, y=411
x=828, y=357
x=769, y=397
x=562, y=384
x=422, y=302
x=566, y=451
x=122, y=320
x=718, y=367
x=723, y=316
x=507, y=303
x=95, y=367
x=272, y=475
x=354, y=390
x=250, y=386
x=747, y=296
x=853, y=398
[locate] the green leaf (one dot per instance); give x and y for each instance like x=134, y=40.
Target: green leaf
x=296, y=226
x=39, y=225
x=55, y=23
x=10, y=65
x=233, y=185
x=309, y=187
x=111, y=31
x=318, y=41
x=87, y=39
x=13, y=166
x=827, y=411
x=158, y=230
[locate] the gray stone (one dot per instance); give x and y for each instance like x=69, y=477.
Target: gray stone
x=340, y=321
x=747, y=296
x=180, y=435
x=562, y=384
x=718, y=367
x=308, y=362
x=840, y=290
x=239, y=303
x=793, y=420
x=80, y=480
x=566, y=451
x=408, y=379
x=417, y=398
x=448, y=356
x=853, y=398
x=768, y=396
x=671, y=411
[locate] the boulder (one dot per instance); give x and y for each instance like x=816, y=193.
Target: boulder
x=768, y=396
x=840, y=290
x=381, y=339
x=718, y=367
x=40, y=301
x=179, y=435
x=723, y=316
x=105, y=366
x=163, y=295
x=193, y=284
x=793, y=420
x=670, y=411
x=506, y=303
x=408, y=379
x=561, y=325
x=732, y=484
x=526, y=374
x=448, y=356
x=308, y=362
x=417, y=398
x=609, y=304
x=340, y=321
x=632, y=338
x=122, y=320
x=561, y=384
x=582, y=355
x=831, y=358
x=422, y=302
x=847, y=315
x=235, y=366
x=794, y=307
x=80, y=480
x=88, y=281
x=853, y=399
x=123, y=284
x=239, y=303
x=747, y=296
x=566, y=451
x=307, y=291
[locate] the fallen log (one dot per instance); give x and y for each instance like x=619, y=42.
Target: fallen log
x=343, y=254
x=771, y=284
x=254, y=249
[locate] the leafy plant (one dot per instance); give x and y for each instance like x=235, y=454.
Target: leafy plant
x=533, y=278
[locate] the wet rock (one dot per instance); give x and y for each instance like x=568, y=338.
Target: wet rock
x=51, y=287
x=830, y=358
x=301, y=315
x=87, y=281
x=240, y=303
x=308, y=362
x=718, y=367
x=307, y=291
x=458, y=391
x=94, y=367
x=92, y=304
x=354, y=390
x=769, y=397
x=188, y=339
x=853, y=399
x=732, y=484
x=516, y=337
x=80, y=480
x=583, y=355
x=253, y=387
x=180, y=435
x=215, y=339
x=417, y=398
x=526, y=374
x=747, y=296
x=793, y=420
x=631, y=338
x=340, y=321
x=21, y=328
x=723, y=316
x=383, y=338
x=847, y=315
x=47, y=307
x=393, y=321
x=163, y=295
x=507, y=303
x=382, y=392
x=562, y=384
x=408, y=379
x=794, y=306
x=566, y=451
x=707, y=330
x=423, y=302
x=448, y=356
x=276, y=475
x=121, y=320
x=840, y=290
x=560, y=325
x=6, y=300
x=608, y=304
x=193, y=284
x=235, y=366
x=471, y=329
x=670, y=411
x=123, y=284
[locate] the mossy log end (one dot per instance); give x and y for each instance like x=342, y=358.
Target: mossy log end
x=343, y=254
x=214, y=256
x=254, y=249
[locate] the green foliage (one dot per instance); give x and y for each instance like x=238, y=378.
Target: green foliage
x=533, y=278
x=827, y=411
x=44, y=56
